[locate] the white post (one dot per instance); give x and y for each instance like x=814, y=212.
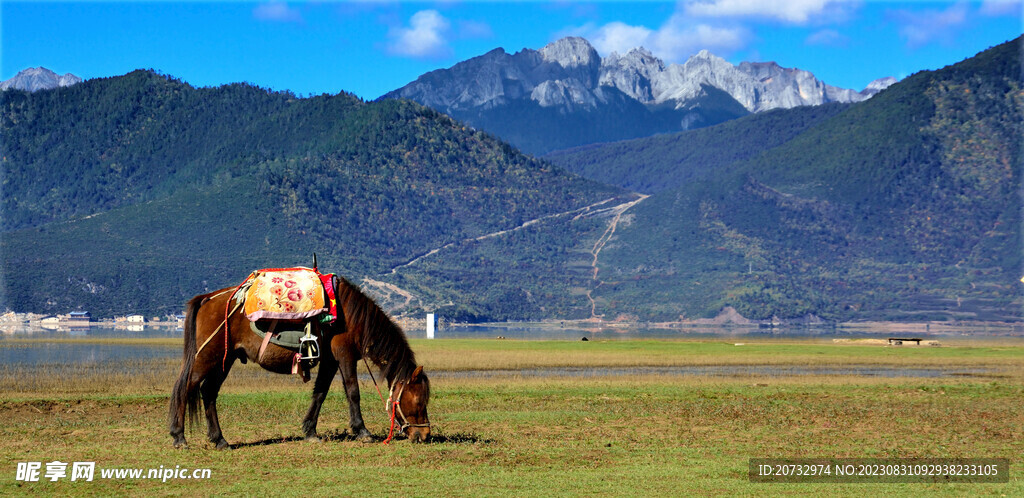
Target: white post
x=430, y=325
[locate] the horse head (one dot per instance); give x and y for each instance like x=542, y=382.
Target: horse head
x=408, y=403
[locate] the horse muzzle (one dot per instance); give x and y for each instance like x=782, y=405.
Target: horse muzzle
x=418, y=434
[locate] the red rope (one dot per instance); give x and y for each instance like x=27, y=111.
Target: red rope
x=392, y=430
x=227, y=312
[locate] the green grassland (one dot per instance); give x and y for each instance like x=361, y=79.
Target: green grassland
x=505, y=433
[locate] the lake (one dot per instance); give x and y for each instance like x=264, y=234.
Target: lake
x=86, y=347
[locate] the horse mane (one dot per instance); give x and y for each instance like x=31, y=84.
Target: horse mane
x=381, y=340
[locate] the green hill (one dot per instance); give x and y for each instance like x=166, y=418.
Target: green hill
x=906, y=206
x=664, y=162
x=131, y=194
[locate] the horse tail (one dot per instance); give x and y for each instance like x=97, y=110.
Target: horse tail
x=181, y=392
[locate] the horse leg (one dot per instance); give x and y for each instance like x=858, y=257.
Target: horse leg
x=355, y=415
x=177, y=425
x=177, y=411
x=209, y=389
x=185, y=398
x=322, y=384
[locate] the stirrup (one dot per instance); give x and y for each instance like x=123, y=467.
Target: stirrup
x=309, y=347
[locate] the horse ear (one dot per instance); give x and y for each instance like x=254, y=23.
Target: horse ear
x=416, y=373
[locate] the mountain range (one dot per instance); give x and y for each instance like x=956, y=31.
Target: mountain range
x=132, y=193
x=905, y=206
x=39, y=78
x=566, y=94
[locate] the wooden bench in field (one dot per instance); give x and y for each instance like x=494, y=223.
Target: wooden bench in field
x=900, y=340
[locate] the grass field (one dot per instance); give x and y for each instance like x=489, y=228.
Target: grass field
x=504, y=433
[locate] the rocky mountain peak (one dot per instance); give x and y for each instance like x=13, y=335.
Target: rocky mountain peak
x=569, y=76
x=570, y=52
x=705, y=57
x=39, y=78
x=641, y=51
x=632, y=73
x=636, y=54
x=764, y=69
x=879, y=85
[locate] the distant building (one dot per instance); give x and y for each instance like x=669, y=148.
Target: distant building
x=135, y=319
x=79, y=317
x=12, y=317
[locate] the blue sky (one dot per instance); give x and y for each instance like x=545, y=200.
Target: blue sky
x=371, y=47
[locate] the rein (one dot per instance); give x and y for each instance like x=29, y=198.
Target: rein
x=391, y=431
x=379, y=394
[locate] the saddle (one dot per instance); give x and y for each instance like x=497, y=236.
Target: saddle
x=286, y=306
x=288, y=294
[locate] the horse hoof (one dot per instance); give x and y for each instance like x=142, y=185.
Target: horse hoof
x=182, y=445
x=223, y=445
x=313, y=439
x=364, y=437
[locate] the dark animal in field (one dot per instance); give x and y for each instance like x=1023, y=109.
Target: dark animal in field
x=362, y=330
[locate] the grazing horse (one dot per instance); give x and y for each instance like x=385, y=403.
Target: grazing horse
x=362, y=331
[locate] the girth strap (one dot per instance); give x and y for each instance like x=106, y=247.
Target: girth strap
x=266, y=339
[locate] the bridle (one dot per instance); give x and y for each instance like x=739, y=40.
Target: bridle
x=393, y=407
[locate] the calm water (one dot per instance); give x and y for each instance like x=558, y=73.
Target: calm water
x=35, y=353
x=53, y=347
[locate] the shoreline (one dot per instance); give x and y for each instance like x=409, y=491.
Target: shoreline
x=877, y=327
x=1014, y=329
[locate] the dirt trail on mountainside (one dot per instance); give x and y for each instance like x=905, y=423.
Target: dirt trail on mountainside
x=590, y=210
x=602, y=241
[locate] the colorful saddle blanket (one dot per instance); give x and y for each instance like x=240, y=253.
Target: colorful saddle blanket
x=288, y=294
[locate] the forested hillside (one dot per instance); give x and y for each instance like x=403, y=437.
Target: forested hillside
x=136, y=192
x=905, y=206
x=669, y=161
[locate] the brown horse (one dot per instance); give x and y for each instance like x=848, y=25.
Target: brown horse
x=362, y=330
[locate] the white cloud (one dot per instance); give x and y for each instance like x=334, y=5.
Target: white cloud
x=793, y=11
x=674, y=41
x=619, y=37
x=1002, y=8
x=677, y=41
x=276, y=11
x=424, y=38
x=922, y=27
